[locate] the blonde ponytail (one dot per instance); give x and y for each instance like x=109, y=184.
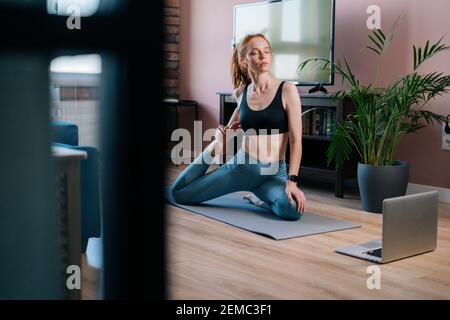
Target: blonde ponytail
x=238, y=76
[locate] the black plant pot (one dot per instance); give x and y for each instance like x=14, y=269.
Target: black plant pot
x=377, y=183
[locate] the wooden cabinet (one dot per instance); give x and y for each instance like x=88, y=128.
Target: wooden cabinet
x=313, y=165
x=69, y=209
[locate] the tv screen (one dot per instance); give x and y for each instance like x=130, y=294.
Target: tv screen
x=297, y=30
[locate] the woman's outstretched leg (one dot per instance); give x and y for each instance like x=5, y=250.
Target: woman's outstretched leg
x=194, y=170
x=201, y=164
x=193, y=186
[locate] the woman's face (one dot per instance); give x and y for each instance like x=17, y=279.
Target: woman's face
x=258, y=56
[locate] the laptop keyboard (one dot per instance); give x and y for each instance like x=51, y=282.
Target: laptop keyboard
x=376, y=252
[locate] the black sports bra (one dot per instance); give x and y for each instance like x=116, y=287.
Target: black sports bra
x=274, y=116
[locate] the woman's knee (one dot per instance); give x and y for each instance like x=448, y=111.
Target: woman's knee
x=285, y=210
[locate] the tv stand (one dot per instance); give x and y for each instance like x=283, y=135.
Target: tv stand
x=319, y=87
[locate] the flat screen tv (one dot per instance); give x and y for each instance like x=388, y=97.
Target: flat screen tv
x=297, y=30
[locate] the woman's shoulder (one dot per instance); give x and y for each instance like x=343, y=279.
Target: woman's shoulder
x=289, y=88
x=238, y=91
x=289, y=92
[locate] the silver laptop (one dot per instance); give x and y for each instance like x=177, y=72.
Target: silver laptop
x=409, y=228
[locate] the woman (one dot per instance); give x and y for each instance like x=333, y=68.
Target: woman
x=269, y=111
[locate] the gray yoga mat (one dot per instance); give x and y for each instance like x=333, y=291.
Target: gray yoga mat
x=233, y=209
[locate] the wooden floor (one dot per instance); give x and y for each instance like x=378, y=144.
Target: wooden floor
x=90, y=281
x=208, y=259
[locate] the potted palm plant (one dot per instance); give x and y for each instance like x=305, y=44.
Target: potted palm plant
x=381, y=117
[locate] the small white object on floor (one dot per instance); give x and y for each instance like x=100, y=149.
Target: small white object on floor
x=255, y=200
x=94, y=253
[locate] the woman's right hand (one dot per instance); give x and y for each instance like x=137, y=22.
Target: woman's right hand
x=234, y=125
x=222, y=130
x=221, y=135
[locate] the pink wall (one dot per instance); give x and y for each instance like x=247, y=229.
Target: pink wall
x=205, y=52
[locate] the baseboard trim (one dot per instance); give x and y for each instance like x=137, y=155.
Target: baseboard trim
x=444, y=193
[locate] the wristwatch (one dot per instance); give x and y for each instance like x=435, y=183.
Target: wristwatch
x=294, y=178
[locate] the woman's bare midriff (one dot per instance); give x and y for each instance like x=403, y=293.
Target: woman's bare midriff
x=266, y=148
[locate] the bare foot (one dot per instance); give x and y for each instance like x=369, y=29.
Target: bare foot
x=255, y=200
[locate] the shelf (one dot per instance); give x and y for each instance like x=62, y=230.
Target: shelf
x=321, y=174
x=317, y=137
x=318, y=168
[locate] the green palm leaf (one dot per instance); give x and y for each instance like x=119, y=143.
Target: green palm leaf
x=420, y=58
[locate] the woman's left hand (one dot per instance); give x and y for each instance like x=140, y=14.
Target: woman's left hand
x=293, y=192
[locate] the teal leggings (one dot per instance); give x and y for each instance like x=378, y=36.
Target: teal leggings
x=241, y=173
